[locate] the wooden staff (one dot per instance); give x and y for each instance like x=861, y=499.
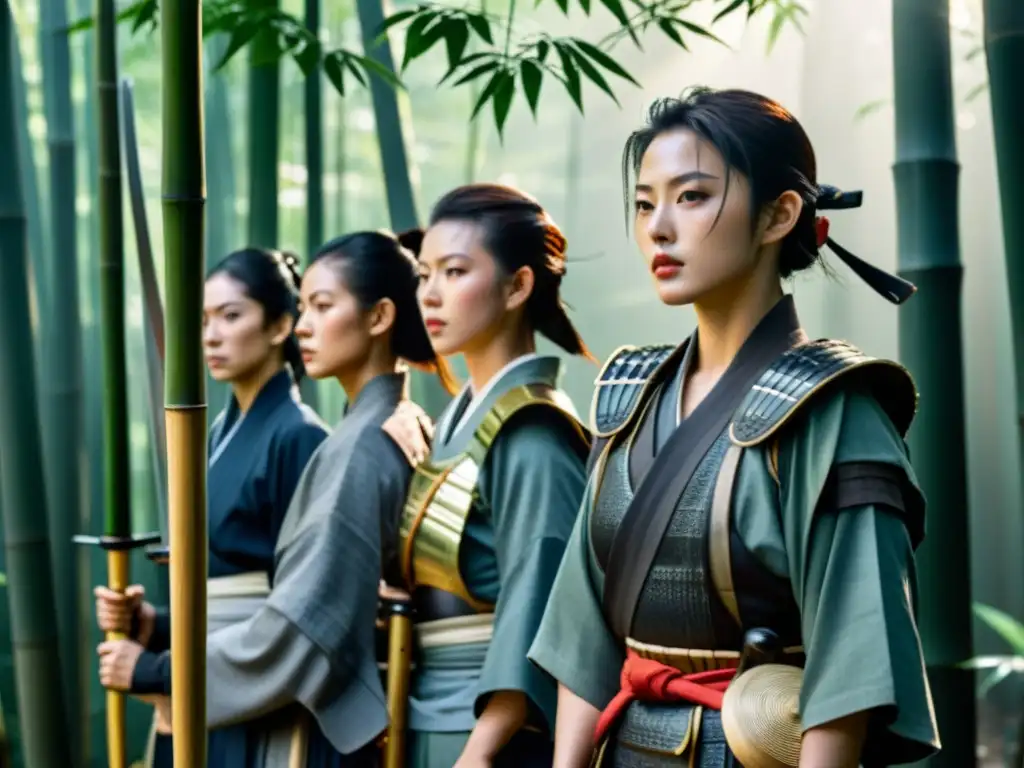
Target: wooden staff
x=184, y=193
x=399, y=668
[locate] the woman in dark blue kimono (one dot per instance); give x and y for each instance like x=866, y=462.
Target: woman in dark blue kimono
x=258, y=448
x=295, y=661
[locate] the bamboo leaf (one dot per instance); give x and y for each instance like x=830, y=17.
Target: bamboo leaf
x=616, y=10
x=335, y=72
x=585, y=5
x=1011, y=630
x=994, y=679
x=672, y=33
x=727, y=10
x=463, y=65
x=594, y=74
x=475, y=73
x=487, y=92
x=604, y=60
x=990, y=662
x=455, y=40
x=374, y=67
x=481, y=26
x=357, y=73
x=774, y=29
x=503, y=99
x=393, y=19
x=531, y=75
x=241, y=36
x=697, y=29
x=543, y=48
x=415, y=44
x=571, y=76
x=976, y=91
x=868, y=109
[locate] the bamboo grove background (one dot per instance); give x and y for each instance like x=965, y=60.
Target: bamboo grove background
x=366, y=166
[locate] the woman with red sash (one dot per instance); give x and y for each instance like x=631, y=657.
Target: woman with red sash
x=751, y=498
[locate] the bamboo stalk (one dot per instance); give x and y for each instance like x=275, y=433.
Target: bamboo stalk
x=314, y=126
x=426, y=390
x=63, y=424
x=926, y=176
x=41, y=706
x=1004, y=52
x=264, y=135
x=184, y=191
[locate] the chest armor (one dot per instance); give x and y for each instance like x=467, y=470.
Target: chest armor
x=442, y=494
x=678, y=607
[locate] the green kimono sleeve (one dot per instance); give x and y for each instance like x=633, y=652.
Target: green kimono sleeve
x=574, y=644
x=532, y=483
x=852, y=573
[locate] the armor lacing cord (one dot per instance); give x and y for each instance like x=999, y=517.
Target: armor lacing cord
x=649, y=680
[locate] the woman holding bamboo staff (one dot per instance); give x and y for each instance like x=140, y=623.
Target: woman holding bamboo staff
x=490, y=510
x=308, y=647
x=258, y=448
x=739, y=586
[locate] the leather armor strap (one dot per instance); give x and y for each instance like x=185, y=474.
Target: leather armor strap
x=719, y=545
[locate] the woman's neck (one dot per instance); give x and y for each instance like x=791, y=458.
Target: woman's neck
x=723, y=327
x=246, y=390
x=354, y=381
x=484, y=364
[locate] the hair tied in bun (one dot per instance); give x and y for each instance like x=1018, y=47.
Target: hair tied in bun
x=411, y=239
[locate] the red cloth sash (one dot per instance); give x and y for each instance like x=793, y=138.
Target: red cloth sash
x=649, y=680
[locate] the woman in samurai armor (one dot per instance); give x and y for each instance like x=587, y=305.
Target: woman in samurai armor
x=751, y=503
x=491, y=508
x=292, y=679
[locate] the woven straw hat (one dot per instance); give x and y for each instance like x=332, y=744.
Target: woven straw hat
x=761, y=716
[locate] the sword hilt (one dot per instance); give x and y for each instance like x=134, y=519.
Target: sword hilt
x=760, y=646
x=118, y=543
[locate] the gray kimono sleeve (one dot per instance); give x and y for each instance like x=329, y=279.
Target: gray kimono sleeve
x=313, y=640
x=533, y=483
x=574, y=643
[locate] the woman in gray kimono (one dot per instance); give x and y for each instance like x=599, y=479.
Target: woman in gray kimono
x=301, y=660
x=739, y=587
x=490, y=510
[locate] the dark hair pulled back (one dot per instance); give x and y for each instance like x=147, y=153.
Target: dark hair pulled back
x=380, y=265
x=760, y=139
x=271, y=279
x=518, y=232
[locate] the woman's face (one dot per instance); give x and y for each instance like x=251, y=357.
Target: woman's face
x=334, y=331
x=680, y=192
x=237, y=340
x=463, y=294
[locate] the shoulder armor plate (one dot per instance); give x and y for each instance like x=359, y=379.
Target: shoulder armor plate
x=621, y=384
x=799, y=374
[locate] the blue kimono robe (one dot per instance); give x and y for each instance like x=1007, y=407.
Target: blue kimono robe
x=255, y=462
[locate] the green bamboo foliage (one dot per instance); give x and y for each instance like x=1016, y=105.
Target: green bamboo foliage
x=926, y=176
x=42, y=711
x=184, y=190
x=425, y=390
x=63, y=424
x=264, y=134
x=1004, y=50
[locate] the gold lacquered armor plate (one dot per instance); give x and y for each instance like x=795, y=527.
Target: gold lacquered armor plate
x=442, y=494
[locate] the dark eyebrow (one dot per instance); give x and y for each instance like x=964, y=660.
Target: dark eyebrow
x=225, y=305
x=450, y=257
x=316, y=293
x=678, y=181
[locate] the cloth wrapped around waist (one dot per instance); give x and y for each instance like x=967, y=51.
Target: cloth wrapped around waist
x=759, y=711
x=450, y=655
x=231, y=600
